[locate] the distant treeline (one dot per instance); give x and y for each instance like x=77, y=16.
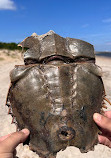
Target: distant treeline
x=10, y=46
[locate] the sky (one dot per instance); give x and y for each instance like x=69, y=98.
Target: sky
x=88, y=20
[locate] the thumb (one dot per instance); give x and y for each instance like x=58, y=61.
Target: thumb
x=103, y=122
x=10, y=143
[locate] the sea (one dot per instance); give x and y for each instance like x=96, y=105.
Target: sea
x=104, y=54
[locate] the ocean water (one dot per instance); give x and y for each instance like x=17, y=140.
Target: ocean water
x=104, y=54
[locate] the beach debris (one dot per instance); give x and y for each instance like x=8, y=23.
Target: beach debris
x=55, y=94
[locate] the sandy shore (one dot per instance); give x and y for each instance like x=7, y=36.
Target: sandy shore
x=7, y=64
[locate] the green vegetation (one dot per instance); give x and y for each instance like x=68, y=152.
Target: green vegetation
x=9, y=46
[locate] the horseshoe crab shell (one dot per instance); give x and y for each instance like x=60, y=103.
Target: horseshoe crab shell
x=56, y=93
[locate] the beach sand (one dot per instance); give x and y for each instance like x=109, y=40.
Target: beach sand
x=6, y=65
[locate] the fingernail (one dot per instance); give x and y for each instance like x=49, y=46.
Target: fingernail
x=25, y=131
x=97, y=117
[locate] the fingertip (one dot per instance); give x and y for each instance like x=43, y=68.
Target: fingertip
x=97, y=117
x=23, y=134
x=25, y=131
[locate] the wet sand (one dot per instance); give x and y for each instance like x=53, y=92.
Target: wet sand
x=6, y=127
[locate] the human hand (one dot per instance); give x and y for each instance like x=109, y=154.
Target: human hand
x=9, y=142
x=104, y=122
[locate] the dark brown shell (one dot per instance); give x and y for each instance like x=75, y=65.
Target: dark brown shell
x=56, y=102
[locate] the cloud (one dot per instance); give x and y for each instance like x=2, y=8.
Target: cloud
x=7, y=5
x=106, y=20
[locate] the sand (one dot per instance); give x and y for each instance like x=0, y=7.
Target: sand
x=6, y=65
